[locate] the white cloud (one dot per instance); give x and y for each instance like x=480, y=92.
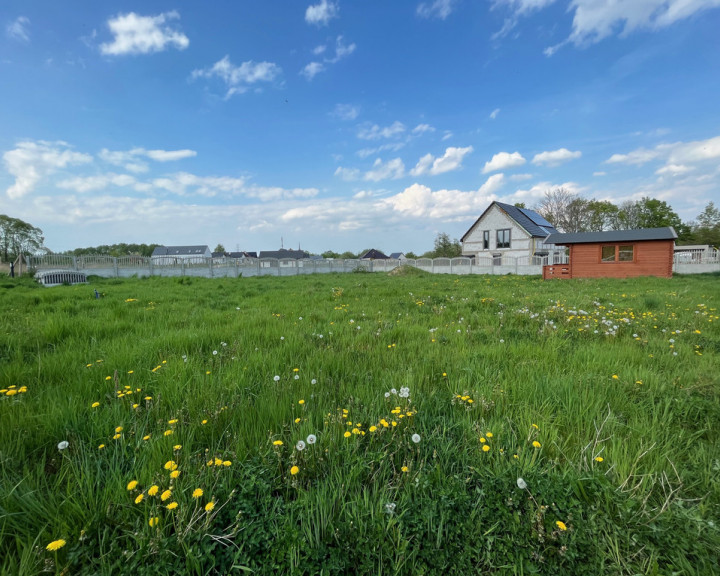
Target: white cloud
x=31, y=161
x=597, y=19
x=134, y=34
x=341, y=50
x=131, y=159
x=319, y=49
x=321, y=14
x=494, y=113
x=393, y=169
x=18, y=29
x=347, y=174
x=636, y=157
x=673, y=170
x=451, y=160
x=689, y=152
x=312, y=70
x=447, y=135
x=436, y=9
x=346, y=111
x=238, y=79
x=555, y=157
x=375, y=132
x=503, y=161
x=599, y=173
x=523, y=6
x=520, y=177
x=389, y=147
x=422, y=128
x=84, y=184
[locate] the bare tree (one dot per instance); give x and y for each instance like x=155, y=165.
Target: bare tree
x=564, y=210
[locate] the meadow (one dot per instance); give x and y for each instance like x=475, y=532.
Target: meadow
x=360, y=424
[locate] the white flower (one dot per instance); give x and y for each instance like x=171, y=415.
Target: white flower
x=62, y=445
x=282, y=337
x=416, y=438
x=311, y=439
x=393, y=391
x=502, y=341
x=521, y=484
x=387, y=394
x=390, y=508
x=223, y=344
x=300, y=445
x=276, y=378
x=296, y=377
x=313, y=381
x=214, y=352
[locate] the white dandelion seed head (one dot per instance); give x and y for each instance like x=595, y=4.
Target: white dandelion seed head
x=313, y=381
x=300, y=445
x=387, y=394
x=416, y=438
x=62, y=445
x=393, y=391
x=296, y=377
x=223, y=344
x=282, y=337
x=276, y=378
x=521, y=484
x=214, y=352
x=390, y=508
x=311, y=439
x=300, y=318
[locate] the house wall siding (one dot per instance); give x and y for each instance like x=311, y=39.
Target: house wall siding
x=495, y=219
x=651, y=258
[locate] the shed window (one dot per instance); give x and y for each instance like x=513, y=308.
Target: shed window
x=617, y=253
x=503, y=238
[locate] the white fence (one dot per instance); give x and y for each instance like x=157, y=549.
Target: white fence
x=128, y=266
x=696, y=261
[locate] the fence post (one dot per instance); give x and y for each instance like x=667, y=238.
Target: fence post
x=182, y=266
x=210, y=267
x=150, y=265
x=75, y=264
x=116, y=268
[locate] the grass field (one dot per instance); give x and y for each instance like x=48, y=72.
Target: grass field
x=360, y=424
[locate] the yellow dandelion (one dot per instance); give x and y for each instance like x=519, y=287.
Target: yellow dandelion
x=173, y=421
x=203, y=422
x=561, y=525
x=118, y=429
x=615, y=376
x=55, y=545
x=177, y=447
x=278, y=443
x=132, y=484
x=489, y=434
x=301, y=402
x=372, y=428
x=405, y=469
x=599, y=458
x=486, y=448
x=172, y=506
x=108, y=377
x=347, y=434
x=165, y=495
x=153, y=521
x=227, y=463
x=146, y=437
x=297, y=420
x=536, y=444
x=483, y=440
x=139, y=498
x=197, y=493
x=168, y=432
x=294, y=470
x=101, y=446
x=175, y=474
x=117, y=437
x=209, y=506
x=170, y=465
x=153, y=490
x=95, y=404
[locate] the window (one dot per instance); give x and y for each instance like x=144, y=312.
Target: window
x=617, y=253
x=503, y=238
x=486, y=239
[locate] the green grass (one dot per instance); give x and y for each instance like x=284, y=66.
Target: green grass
x=626, y=421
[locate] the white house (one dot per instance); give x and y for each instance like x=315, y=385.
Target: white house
x=175, y=254
x=506, y=230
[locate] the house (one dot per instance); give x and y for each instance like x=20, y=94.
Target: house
x=234, y=255
x=373, y=254
x=397, y=256
x=175, y=254
x=506, y=230
x=615, y=254
x=285, y=253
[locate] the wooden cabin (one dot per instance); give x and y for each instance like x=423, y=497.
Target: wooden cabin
x=615, y=254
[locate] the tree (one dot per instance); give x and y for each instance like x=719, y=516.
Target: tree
x=446, y=248
x=219, y=248
x=601, y=215
x=411, y=255
x=18, y=237
x=706, y=230
x=564, y=210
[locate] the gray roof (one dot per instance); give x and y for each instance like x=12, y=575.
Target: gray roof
x=396, y=255
x=284, y=253
x=180, y=250
x=667, y=233
x=373, y=254
x=528, y=220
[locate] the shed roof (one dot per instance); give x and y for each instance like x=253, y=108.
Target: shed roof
x=284, y=253
x=639, y=234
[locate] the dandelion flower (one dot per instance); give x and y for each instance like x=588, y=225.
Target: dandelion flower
x=311, y=439
x=347, y=434
x=175, y=474
x=197, y=493
x=489, y=434
x=165, y=495
x=598, y=458
x=172, y=506
x=405, y=469
x=294, y=470
x=297, y=420
x=170, y=465
x=95, y=404
x=486, y=448
x=300, y=445
x=373, y=428
x=118, y=429
x=177, y=447
x=132, y=485
x=139, y=498
x=153, y=490
x=301, y=402
x=561, y=525
x=615, y=376
x=146, y=437
x=227, y=463
x=536, y=444
x=416, y=438
x=209, y=506
x=117, y=437
x=521, y=484
x=168, y=433
x=278, y=443
x=276, y=378
x=153, y=521
x=482, y=440
x=55, y=545
x=203, y=422
x=62, y=445
x=101, y=446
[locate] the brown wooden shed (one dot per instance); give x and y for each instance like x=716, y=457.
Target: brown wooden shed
x=615, y=254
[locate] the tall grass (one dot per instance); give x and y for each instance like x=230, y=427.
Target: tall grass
x=603, y=396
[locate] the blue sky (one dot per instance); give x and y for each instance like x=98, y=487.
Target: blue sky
x=347, y=125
